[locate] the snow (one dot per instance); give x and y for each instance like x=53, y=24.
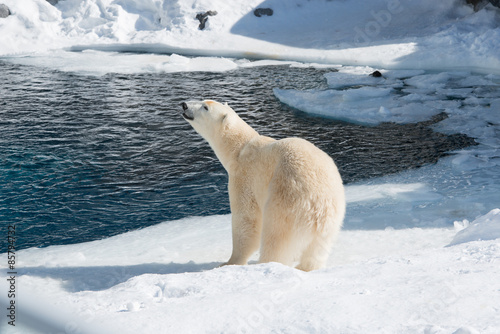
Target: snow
x=382, y=281
x=486, y=227
x=420, y=249
x=390, y=34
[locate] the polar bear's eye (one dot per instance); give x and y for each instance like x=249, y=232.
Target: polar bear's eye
x=206, y=108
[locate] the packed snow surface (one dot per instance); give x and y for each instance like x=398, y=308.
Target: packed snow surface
x=420, y=251
x=164, y=279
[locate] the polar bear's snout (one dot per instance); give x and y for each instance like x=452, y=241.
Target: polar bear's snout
x=188, y=113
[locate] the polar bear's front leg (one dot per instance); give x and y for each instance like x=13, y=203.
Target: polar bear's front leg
x=246, y=237
x=246, y=221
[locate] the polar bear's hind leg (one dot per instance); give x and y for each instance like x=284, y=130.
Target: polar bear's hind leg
x=278, y=236
x=317, y=252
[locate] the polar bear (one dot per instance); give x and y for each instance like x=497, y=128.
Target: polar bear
x=286, y=196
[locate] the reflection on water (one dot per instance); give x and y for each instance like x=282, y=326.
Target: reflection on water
x=85, y=157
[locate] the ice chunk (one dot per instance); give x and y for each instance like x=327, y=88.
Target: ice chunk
x=365, y=105
x=365, y=93
x=486, y=227
x=99, y=63
x=429, y=81
x=340, y=80
x=411, y=192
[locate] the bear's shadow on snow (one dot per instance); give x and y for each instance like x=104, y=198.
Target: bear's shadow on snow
x=76, y=279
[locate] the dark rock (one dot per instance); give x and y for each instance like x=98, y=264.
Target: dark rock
x=263, y=11
x=53, y=2
x=376, y=74
x=4, y=11
x=477, y=4
x=204, y=17
x=480, y=4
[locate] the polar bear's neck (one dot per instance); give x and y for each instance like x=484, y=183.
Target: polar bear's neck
x=228, y=143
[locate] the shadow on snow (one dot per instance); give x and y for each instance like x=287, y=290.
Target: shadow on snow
x=99, y=278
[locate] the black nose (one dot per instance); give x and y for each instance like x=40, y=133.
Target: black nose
x=184, y=106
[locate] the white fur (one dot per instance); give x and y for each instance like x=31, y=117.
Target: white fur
x=286, y=195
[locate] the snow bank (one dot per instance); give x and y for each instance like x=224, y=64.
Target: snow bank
x=486, y=227
x=387, y=34
x=463, y=186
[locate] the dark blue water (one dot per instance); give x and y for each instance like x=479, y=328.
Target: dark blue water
x=85, y=157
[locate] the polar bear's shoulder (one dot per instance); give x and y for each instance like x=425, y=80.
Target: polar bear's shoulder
x=256, y=147
x=297, y=146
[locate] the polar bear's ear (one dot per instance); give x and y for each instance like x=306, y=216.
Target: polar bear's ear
x=225, y=103
x=224, y=120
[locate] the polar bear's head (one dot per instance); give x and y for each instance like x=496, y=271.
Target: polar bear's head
x=220, y=126
x=206, y=117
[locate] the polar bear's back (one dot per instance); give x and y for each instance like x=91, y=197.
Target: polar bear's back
x=308, y=181
x=306, y=164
